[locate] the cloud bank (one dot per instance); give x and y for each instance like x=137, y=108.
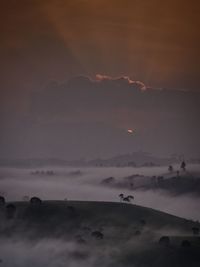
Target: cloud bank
x=90, y=117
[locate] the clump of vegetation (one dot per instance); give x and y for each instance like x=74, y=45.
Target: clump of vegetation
x=97, y=234
x=170, y=168
x=183, y=165
x=127, y=198
x=195, y=230
x=35, y=201
x=108, y=181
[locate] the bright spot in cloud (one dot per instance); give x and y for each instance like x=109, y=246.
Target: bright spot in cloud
x=130, y=131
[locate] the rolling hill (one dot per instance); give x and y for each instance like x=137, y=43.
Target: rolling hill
x=128, y=234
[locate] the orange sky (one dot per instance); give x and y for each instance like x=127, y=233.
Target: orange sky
x=154, y=41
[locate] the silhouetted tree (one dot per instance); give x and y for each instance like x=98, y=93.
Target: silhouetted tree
x=130, y=197
x=108, y=181
x=97, y=234
x=195, y=230
x=183, y=165
x=170, y=169
x=126, y=199
x=10, y=211
x=35, y=201
x=2, y=201
x=121, y=196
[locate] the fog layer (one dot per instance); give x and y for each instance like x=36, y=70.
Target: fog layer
x=85, y=184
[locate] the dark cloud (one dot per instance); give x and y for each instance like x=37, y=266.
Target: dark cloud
x=105, y=93
x=155, y=42
x=90, y=117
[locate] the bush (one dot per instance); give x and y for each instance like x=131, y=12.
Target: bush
x=195, y=230
x=97, y=235
x=35, y=201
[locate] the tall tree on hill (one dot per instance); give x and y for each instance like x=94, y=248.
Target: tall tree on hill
x=183, y=165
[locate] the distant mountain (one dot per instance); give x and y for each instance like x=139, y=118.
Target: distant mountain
x=135, y=159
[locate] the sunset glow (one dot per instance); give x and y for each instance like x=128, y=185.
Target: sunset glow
x=99, y=137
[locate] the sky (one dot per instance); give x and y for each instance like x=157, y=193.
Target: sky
x=75, y=75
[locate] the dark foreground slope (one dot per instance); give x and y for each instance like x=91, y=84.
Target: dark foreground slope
x=63, y=217
x=103, y=233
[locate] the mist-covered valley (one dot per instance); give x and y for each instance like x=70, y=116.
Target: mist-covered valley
x=89, y=184
x=82, y=221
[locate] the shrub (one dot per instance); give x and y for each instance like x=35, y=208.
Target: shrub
x=35, y=201
x=195, y=230
x=97, y=235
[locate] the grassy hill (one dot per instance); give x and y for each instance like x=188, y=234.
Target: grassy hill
x=55, y=215
x=131, y=232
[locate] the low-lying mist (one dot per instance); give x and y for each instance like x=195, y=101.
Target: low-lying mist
x=85, y=184
x=61, y=253
x=53, y=252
